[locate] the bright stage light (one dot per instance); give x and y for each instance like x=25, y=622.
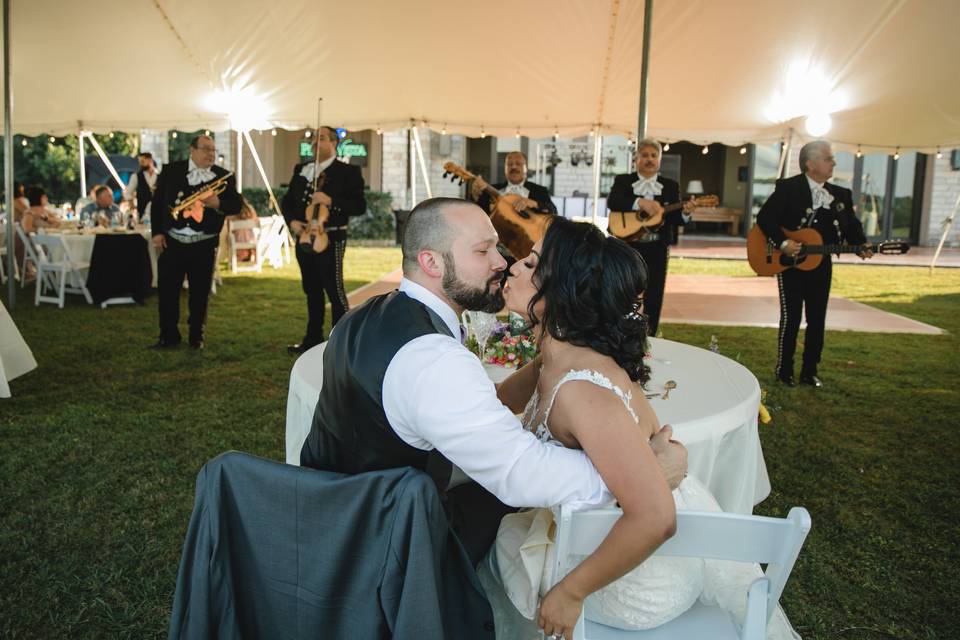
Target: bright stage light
x=818, y=124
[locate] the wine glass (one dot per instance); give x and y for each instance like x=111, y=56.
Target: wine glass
x=481, y=325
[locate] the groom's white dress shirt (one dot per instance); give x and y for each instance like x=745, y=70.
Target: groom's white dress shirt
x=437, y=394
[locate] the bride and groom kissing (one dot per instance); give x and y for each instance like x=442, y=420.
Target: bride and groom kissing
x=401, y=390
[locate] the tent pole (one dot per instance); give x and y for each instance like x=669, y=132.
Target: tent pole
x=645, y=69
x=83, y=164
x=785, y=153
x=239, y=163
x=413, y=171
x=106, y=161
x=947, y=223
x=263, y=174
x=597, y=160
x=8, y=155
x=423, y=164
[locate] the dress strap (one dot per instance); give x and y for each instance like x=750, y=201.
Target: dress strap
x=596, y=378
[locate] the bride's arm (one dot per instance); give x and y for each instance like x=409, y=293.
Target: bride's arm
x=516, y=390
x=618, y=447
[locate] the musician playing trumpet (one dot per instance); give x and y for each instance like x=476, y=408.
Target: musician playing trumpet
x=186, y=237
x=340, y=189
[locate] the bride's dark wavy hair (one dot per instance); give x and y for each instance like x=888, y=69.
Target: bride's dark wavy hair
x=591, y=287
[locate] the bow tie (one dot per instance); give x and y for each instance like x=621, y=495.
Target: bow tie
x=647, y=187
x=309, y=170
x=197, y=176
x=821, y=198
x=518, y=189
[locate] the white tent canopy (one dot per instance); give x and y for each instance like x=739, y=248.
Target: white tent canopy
x=731, y=72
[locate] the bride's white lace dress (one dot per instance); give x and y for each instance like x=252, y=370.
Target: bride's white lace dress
x=652, y=594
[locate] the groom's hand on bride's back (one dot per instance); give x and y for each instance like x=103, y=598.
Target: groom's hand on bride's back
x=671, y=455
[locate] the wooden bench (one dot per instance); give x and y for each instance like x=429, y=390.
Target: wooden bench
x=723, y=215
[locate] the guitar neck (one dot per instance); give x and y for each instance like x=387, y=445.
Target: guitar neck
x=835, y=248
x=673, y=207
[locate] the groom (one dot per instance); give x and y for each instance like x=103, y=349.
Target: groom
x=399, y=388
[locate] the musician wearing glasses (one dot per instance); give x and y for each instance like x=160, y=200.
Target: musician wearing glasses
x=186, y=237
x=807, y=200
x=340, y=189
x=647, y=191
x=515, y=169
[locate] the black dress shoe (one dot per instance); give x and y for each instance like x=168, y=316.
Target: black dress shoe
x=811, y=380
x=297, y=349
x=787, y=381
x=165, y=344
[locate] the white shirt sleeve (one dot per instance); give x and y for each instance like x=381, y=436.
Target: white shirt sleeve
x=131, y=189
x=436, y=394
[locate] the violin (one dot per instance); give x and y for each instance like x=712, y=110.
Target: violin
x=314, y=237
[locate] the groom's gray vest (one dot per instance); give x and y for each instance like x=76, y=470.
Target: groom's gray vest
x=350, y=432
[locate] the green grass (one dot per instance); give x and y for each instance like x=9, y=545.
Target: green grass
x=101, y=445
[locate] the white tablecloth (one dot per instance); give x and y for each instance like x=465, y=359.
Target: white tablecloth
x=80, y=245
x=15, y=356
x=713, y=411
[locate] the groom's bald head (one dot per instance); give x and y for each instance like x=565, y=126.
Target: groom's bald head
x=431, y=226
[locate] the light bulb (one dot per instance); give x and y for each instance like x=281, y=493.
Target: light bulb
x=273, y=132
x=939, y=154
x=818, y=124
x=896, y=154
x=443, y=131
x=379, y=131
x=859, y=152
x=110, y=135
x=52, y=139
x=743, y=150
x=705, y=150
x=308, y=133
x=23, y=142
x=174, y=135
x=666, y=147
x=517, y=135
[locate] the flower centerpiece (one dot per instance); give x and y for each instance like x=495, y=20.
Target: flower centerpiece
x=511, y=344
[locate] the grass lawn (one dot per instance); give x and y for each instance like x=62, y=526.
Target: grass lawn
x=101, y=445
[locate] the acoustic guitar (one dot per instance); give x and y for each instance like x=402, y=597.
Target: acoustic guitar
x=767, y=260
x=629, y=225
x=518, y=230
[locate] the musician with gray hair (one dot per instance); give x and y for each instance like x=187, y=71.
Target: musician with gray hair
x=807, y=200
x=649, y=192
x=187, y=238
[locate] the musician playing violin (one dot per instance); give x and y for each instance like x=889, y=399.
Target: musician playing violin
x=188, y=242
x=535, y=197
x=647, y=191
x=340, y=189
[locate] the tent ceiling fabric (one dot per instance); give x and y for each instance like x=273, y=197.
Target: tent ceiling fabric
x=728, y=72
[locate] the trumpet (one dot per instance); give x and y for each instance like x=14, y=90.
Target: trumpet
x=214, y=188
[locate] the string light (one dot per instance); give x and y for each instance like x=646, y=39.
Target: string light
x=273, y=132
x=666, y=147
x=591, y=132
x=556, y=134
x=443, y=131
x=307, y=133
x=939, y=154
x=23, y=142
x=859, y=152
x=52, y=139
x=705, y=150
x=423, y=123
x=379, y=130
x=220, y=158
x=110, y=135
x=517, y=135
x=483, y=134
x=206, y=132
x=174, y=135
x=743, y=150
x=896, y=154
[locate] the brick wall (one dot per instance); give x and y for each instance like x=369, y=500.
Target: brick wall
x=436, y=151
x=943, y=196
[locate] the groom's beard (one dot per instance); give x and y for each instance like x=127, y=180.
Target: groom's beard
x=469, y=297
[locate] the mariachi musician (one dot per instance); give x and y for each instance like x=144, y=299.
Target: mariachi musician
x=650, y=192
x=340, y=190
x=187, y=238
x=515, y=168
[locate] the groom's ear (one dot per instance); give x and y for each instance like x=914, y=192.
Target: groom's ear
x=430, y=263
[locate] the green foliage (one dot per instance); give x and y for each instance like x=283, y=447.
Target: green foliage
x=259, y=199
x=125, y=144
x=178, y=148
x=378, y=223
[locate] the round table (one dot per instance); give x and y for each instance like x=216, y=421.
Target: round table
x=713, y=412
x=80, y=244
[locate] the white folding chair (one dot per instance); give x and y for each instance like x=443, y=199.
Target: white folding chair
x=237, y=246
x=723, y=536
x=287, y=241
x=29, y=253
x=55, y=268
x=3, y=262
x=277, y=242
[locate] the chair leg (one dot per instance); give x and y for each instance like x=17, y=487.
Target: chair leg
x=62, y=296
x=39, y=285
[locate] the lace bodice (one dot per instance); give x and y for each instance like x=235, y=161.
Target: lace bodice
x=539, y=426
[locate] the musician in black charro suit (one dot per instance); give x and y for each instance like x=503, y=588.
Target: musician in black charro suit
x=645, y=190
x=187, y=246
x=515, y=168
x=342, y=192
x=808, y=200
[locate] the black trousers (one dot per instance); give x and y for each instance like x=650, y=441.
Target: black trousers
x=803, y=292
x=474, y=515
x=196, y=262
x=321, y=275
x=656, y=255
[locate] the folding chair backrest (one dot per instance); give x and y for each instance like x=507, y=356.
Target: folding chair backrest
x=28, y=246
x=722, y=536
x=54, y=248
x=236, y=225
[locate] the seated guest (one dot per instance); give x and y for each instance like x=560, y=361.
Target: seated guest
x=247, y=212
x=38, y=216
x=20, y=202
x=102, y=211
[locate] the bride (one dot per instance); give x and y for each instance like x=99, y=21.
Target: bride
x=580, y=291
